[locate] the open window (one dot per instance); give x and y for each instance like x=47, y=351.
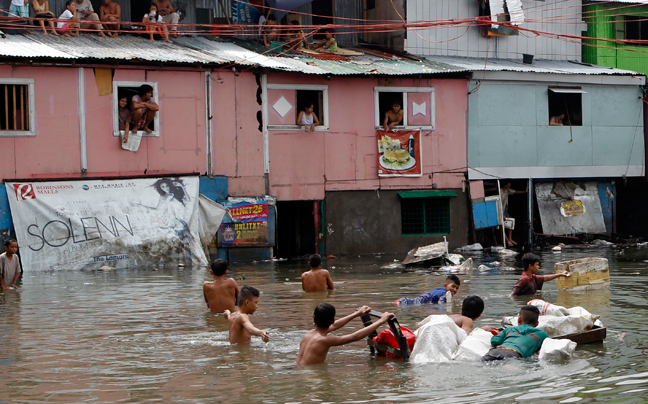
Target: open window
x=285, y=101
x=633, y=28
x=425, y=212
x=417, y=104
x=129, y=89
x=17, y=116
x=567, y=104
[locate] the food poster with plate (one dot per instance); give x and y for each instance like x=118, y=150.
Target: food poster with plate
x=399, y=153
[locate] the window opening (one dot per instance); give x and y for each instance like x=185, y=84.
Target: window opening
x=315, y=97
x=566, y=103
x=14, y=107
x=636, y=28
x=425, y=216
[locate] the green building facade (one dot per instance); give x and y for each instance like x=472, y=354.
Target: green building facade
x=619, y=20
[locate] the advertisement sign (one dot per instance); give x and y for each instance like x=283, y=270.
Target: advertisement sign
x=399, y=153
x=244, y=13
x=250, y=226
x=71, y=224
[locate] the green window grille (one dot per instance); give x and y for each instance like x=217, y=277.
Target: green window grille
x=425, y=216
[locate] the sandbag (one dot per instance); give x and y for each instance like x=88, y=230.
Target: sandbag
x=436, y=340
x=556, y=350
x=474, y=346
x=555, y=326
x=549, y=309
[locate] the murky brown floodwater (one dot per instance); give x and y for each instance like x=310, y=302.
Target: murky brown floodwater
x=143, y=336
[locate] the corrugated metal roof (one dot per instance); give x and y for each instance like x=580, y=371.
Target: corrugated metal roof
x=538, y=66
x=620, y=1
x=204, y=50
x=213, y=51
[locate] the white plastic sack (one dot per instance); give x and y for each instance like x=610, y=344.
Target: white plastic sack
x=474, y=347
x=436, y=340
x=549, y=309
x=133, y=142
x=555, y=326
x=556, y=350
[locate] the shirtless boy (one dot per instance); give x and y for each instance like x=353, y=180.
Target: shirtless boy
x=240, y=327
x=394, y=116
x=221, y=293
x=471, y=309
x=316, y=343
x=317, y=279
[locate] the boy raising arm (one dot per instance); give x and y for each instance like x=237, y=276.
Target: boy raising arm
x=529, y=282
x=240, y=327
x=316, y=343
x=316, y=279
x=221, y=293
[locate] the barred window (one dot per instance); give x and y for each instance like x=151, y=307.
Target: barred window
x=14, y=107
x=425, y=216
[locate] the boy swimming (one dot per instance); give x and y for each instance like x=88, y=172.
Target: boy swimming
x=437, y=295
x=316, y=343
x=518, y=342
x=471, y=309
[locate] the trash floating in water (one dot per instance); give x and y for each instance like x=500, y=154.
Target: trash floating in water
x=106, y=268
x=471, y=247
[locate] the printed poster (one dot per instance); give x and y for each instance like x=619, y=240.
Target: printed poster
x=249, y=227
x=245, y=13
x=121, y=223
x=399, y=153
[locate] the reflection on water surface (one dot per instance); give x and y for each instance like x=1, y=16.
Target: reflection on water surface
x=142, y=335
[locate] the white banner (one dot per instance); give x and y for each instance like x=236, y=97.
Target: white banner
x=120, y=223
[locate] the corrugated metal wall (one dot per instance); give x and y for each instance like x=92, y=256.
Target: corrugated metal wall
x=555, y=16
x=352, y=9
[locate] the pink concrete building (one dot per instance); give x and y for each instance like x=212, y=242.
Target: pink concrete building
x=235, y=119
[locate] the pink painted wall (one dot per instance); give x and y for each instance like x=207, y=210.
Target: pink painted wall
x=238, y=143
x=305, y=165
x=55, y=150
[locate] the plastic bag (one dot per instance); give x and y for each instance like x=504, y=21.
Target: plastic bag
x=436, y=340
x=133, y=143
x=474, y=346
x=555, y=326
x=556, y=350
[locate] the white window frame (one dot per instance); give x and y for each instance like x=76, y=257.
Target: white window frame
x=156, y=121
x=32, y=108
x=378, y=121
x=324, y=119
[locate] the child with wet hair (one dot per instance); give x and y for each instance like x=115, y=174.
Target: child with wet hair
x=240, y=327
x=10, y=268
x=521, y=341
x=220, y=294
x=316, y=343
x=529, y=281
x=437, y=295
x=316, y=279
x=471, y=309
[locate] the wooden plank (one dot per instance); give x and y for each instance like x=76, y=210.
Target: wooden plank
x=14, y=105
x=22, y=108
x=6, y=114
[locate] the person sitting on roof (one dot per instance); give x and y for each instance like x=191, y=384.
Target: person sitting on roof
x=297, y=40
x=85, y=12
x=41, y=8
x=152, y=17
x=68, y=28
x=111, y=12
x=329, y=44
x=19, y=8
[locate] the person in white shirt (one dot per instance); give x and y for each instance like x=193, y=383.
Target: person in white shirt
x=153, y=17
x=85, y=12
x=65, y=28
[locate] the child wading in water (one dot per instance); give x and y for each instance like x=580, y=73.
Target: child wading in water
x=240, y=327
x=317, y=279
x=9, y=266
x=221, y=293
x=316, y=343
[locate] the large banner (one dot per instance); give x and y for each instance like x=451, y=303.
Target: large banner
x=245, y=12
x=121, y=223
x=399, y=153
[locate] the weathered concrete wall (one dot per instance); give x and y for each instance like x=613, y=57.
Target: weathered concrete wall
x=363, y=222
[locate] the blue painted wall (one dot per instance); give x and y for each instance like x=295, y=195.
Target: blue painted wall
x=214, y=188
x=508, y=126
x=6, y=224
x=485, y=214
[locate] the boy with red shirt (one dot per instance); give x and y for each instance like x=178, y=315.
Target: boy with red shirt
x=529, y=282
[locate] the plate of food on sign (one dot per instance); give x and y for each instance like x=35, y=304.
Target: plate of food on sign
x=393, y=157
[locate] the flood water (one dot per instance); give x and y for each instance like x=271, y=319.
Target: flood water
x=146, y=336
